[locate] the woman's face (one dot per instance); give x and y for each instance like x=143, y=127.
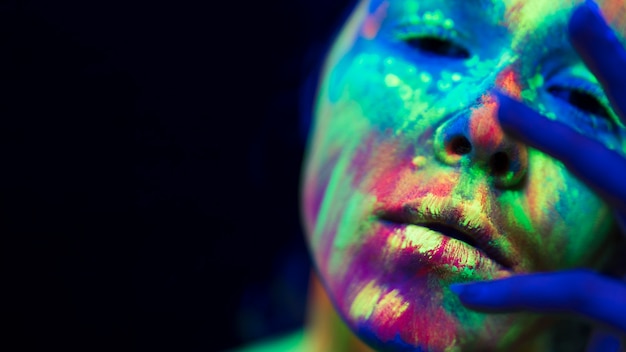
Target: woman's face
x=410, y=184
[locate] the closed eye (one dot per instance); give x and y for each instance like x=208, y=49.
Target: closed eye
x=438, y=47
x=581, y=100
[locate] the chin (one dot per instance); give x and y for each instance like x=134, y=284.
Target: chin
x=391, y=286
x=401, y=311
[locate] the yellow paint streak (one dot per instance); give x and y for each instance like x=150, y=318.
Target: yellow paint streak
x=390, y=307
x=422, y=238
x=544, y=180
x=432, y=204
x=467, y=256
x=373, y=303
x=419, y=161
x=524, y=16
x=365, y=302
x=392, y=80
x=473, y=214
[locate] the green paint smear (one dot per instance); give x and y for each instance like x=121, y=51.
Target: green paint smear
x=515, y=212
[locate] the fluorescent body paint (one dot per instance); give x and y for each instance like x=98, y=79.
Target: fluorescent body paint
x=405, y=91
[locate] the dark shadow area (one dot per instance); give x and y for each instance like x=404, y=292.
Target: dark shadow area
x=151, y=171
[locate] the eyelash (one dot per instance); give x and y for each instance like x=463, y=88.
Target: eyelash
x=589, y=91
x=435, y=41
x=582, y=97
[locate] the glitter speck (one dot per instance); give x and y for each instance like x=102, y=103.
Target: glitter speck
x=443, y=85
x=405, y=92
x=419, y=161
x=456, y=77
x=433, y=17
x=392, y=80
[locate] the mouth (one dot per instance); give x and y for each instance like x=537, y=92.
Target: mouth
x=452, y=233
x=452, y=222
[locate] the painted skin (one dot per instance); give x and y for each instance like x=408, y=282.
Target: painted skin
x=406, y=154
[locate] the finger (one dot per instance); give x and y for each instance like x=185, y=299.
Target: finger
x=602, y=52
x=602, y=341
x=583, y=292
x=600, y=168
x=621, y=222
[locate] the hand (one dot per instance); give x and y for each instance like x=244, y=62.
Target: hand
x=581, y=292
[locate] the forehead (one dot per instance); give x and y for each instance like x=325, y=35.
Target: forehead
x=519, y=16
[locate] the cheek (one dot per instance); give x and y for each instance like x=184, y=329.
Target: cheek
x=564, y=223
x=586, y=224
x=377, y=164
x=360, y=78
x=397, y=95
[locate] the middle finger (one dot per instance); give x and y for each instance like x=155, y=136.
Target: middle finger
x=601, y=52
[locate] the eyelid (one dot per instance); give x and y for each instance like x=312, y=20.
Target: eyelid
x=405, y=31
x=576, y=83
x=581, y=84
x=585, y=86
x=564, y=75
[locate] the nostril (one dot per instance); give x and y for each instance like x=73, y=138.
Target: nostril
x=499, y=163
x=460, y=145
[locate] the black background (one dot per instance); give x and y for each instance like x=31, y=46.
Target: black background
x=150, y=168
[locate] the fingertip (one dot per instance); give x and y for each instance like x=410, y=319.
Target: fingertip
x=457, y=288
x=588, y=30
x=503, y=97
x=507, y=114
x=472, y=294
x=581, y=17
x=499, y=95
x=591, y=4
x=484, y=297
x=503, y=102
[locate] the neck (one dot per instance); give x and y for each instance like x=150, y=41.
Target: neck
x=325, y=331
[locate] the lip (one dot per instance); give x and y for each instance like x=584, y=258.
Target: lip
x=463, y=221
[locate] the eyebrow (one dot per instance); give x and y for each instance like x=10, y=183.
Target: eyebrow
x=487, y=5
x=553, y=35
x=481, y=3
x=558, y=52
x=478, y=9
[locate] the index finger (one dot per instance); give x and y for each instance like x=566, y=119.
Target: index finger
x=600, y=168
x=584, y=292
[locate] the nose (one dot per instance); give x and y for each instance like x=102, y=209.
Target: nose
x=474, y=138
